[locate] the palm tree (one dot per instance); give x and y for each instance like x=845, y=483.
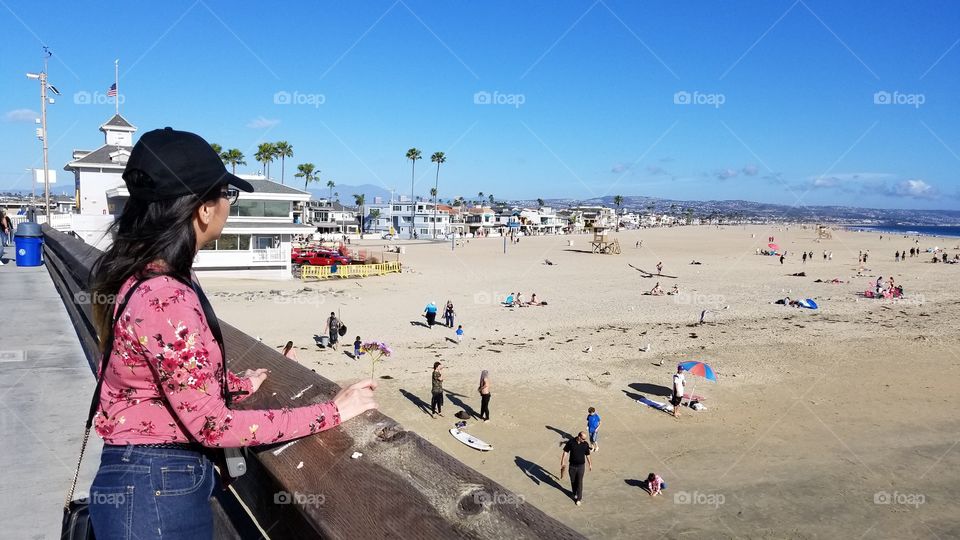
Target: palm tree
x=359, y=200
x=480, y=195
x=217, y=148
x=438, y=158
x=413, y=155
x=233, y=157
x=265, y=155
x=491, y=199
x=306, y=172
x=540, y=204
x=618, y=200
x=283, y=151
x=331, y=184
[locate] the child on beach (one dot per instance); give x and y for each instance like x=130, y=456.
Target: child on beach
x=593, y=426
x=459, y=333
x=356, y=347
x=655, y=484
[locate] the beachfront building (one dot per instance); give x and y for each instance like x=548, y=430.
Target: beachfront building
x=595, y=216
x=395, y=218
x=480, y=221
x=258, y=231
x=331, y=217
x=97, y=171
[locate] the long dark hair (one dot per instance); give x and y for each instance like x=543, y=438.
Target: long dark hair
x=145, y=232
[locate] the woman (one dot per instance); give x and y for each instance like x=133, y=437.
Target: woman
x=436, y=390
x=289, y=351
x=448, y=314
x=484, y=390
x=163, y=406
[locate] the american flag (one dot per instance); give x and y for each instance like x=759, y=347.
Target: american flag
x=112, y=92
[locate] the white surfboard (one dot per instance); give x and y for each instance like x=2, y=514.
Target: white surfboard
x=470, y=440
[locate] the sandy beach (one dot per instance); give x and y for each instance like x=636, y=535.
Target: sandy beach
x=830, y=423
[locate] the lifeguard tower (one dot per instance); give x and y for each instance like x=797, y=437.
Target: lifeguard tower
x=824, y=232
x=602, y=244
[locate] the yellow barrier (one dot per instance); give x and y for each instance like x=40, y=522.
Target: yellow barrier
x=348, y=270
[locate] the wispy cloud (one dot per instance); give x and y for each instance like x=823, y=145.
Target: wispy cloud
x=21, y=115
x=725, y=174
x=620, y=168
x=654, y=170
x=847, y=181
x=750, y=170
x=913, y=189
x=262, y=123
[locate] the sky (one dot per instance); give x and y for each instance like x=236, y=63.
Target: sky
x=784, y=101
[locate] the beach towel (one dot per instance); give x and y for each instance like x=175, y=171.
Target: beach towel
x=808, y=303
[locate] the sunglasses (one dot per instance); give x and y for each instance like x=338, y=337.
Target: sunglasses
x=231, y=195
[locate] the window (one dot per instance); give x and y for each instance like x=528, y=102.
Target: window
x=396, y=208
x=228, y=241
x=254, y=208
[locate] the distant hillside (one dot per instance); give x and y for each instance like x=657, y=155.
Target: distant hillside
x=749, y=209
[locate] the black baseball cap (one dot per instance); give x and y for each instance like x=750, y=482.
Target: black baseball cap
x=166, y=164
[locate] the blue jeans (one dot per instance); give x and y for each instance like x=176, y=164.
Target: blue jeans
x=151, y=493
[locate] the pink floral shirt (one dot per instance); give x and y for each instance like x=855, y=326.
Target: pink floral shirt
x=163, y=381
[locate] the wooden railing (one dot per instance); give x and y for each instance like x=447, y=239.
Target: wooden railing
x=309, y=272
x=402, y=486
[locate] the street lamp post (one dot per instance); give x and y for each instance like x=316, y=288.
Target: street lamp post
x=42, y=77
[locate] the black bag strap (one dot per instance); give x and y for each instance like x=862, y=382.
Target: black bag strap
x=95, y=400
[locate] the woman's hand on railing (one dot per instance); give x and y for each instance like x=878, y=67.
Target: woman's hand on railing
x=256, y=376
x=356, y=399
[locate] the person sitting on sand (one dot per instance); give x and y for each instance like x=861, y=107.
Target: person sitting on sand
x=533, y=300
x=518, y=301
x=674, y=291
x=695, y=262
x=656, y=290
x=879, y=286
x=655, y=484
x=509, y=300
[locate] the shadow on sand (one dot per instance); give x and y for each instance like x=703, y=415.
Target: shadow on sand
x=423, y=405
x=457, y=402
x=651, y=389
x=538, y=475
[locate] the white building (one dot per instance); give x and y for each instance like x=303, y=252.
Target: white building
x=97, y=171
x=331, y=217
x=258, y=232
x=395, y=218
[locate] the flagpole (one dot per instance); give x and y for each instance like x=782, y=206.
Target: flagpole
x=116, y=82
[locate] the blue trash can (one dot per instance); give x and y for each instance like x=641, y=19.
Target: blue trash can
x=28, y=242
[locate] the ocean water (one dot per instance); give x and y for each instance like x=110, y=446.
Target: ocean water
x=914, y=230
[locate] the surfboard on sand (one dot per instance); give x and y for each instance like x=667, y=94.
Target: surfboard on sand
x=665, y=407
x=470, y=440
x=809, y=303
x=652, y=274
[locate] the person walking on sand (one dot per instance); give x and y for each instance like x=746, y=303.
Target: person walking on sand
x=593, y=426
x=484, y=390
x=356, y=348
x=660, y=267
x=448, y=314
x=678, y=382
x=289, y=351
x=804, y=257
x=333, y=329
x=579, y=450
x=430, y=312
x=436, y=391
x=459, y=334
x=782, y=255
